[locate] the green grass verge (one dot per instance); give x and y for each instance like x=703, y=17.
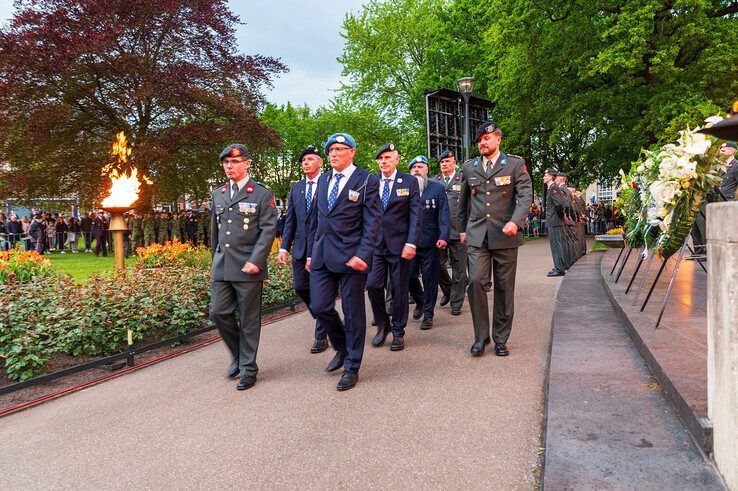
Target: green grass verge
x=599, y=246
x=81, y=266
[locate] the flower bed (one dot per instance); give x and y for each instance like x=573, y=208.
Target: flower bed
x=23, y=266
x=172, y=254
x=52, y=314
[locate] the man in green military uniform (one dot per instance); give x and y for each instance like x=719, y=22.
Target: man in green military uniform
x=136, y=232
x=243, y=227
x=201, y=226
x=162, y=234
x=453, y=286
x=149, y=229
x=174, y=233
x=496, y=194
x=555, y=222
x=569, y=254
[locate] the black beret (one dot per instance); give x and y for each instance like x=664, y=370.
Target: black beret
x=729, y=144
x=390, y=147
x=552, y=171
x=234, y=150
x=310, y=150
x=447, y=153
x=560, y=174
x=488, y=127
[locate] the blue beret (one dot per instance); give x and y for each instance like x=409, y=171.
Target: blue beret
x=390, y=147
x=488, y=127
x=729, y=144
x=310, y=150
x=446, y=154
x=420, y=159
x=343, y=138
x=560, y=174
x=234, y=150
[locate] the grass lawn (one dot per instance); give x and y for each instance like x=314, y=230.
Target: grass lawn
x=82, y=265
x=599, y=246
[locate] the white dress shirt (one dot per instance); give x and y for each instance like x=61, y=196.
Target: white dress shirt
x=241, y=184
x=384, y=183
x=347, y=172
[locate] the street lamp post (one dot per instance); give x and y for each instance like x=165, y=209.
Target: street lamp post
x=466, y=86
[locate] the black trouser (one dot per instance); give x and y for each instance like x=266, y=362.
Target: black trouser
x=399, y=269
x=301, y=282
x=453, y=286
x=101, y=244
x=426, y=262
x=88, y=239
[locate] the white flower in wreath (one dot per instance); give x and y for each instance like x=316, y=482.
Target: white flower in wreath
x=663, y=191
x=712, y=120
x=694, y=143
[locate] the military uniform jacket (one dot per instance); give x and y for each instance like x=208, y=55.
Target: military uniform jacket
x=488, y=201
x=568, y=207
x=401, y=218
x=351, y=227
x=554, y=207
x=453, y=191
x=242, y=230
x=730, y=180
x=436, y=217
x=300, y=224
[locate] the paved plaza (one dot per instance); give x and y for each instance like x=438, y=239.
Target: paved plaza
x=428, y=416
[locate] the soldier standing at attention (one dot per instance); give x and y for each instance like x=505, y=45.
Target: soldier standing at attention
x=496, y=194
x=434, y=236
x=191, y=227
x=136, y=232
x=453, y=286
x=349, y=215
x=163, y=232
x=555, y=221
x=396, y=247
x=149, y=231
x=299, y=234
x=243, y=226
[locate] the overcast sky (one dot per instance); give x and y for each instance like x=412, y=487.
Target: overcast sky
x=304, y=35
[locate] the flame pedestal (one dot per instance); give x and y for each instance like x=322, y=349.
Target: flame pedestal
x=118, y=227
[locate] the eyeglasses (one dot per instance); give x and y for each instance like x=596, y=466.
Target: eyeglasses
x=232, y=162
x=337, y=149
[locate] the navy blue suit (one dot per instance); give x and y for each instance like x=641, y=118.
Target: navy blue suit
x=436, y=225
x=299, y=234
x=400, y=226
x=349, y=229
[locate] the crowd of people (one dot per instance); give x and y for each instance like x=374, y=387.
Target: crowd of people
x=55, y=232
x=598, y=219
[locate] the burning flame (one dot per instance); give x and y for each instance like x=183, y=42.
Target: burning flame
x=124, y=187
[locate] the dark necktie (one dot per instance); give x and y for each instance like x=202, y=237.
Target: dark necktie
x=309, y=196
x=334, y=192
x=386, y=193
x=234, y=187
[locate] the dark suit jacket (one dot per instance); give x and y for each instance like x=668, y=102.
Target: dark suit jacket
x=730, y=180
x=436, y=218
x=453, y=191
x=300, y=225
x=350, y=228
x=401, y=218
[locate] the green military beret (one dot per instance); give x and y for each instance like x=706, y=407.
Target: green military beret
x=234, y=150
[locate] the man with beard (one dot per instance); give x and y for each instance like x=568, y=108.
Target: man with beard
x=396, y=247
x=299, y=234
x=496, y=194
x=434, y=236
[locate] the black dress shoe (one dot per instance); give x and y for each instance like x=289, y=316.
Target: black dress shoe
x=555, y=273
x=347, y=381
x=374, y=323
x=246, y=382
x=319, y=346
x=417, y=312
x=233, y=369
x=398, y=343
x=380, y=338
x=337, y=361
x=427, y=323
x=444, y=301
x=455, y=310
x=501, y=349
x=477, y=348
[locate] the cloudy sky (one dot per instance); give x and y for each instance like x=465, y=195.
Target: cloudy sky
x=304, y=35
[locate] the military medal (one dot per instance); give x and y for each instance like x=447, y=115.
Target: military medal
x=353, y=195
x=503, y=181
x=427, y=204
x=456, y=187
x=434, y=203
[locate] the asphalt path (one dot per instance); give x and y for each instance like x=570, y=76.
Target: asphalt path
x=430, y=416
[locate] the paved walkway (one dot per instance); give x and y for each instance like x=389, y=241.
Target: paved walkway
x=429, y=416
x=609, y=424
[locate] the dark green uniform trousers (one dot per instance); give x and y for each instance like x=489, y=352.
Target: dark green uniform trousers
x=453, y=286
x=242, y=340
x=500, y=265
x=556, y=241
